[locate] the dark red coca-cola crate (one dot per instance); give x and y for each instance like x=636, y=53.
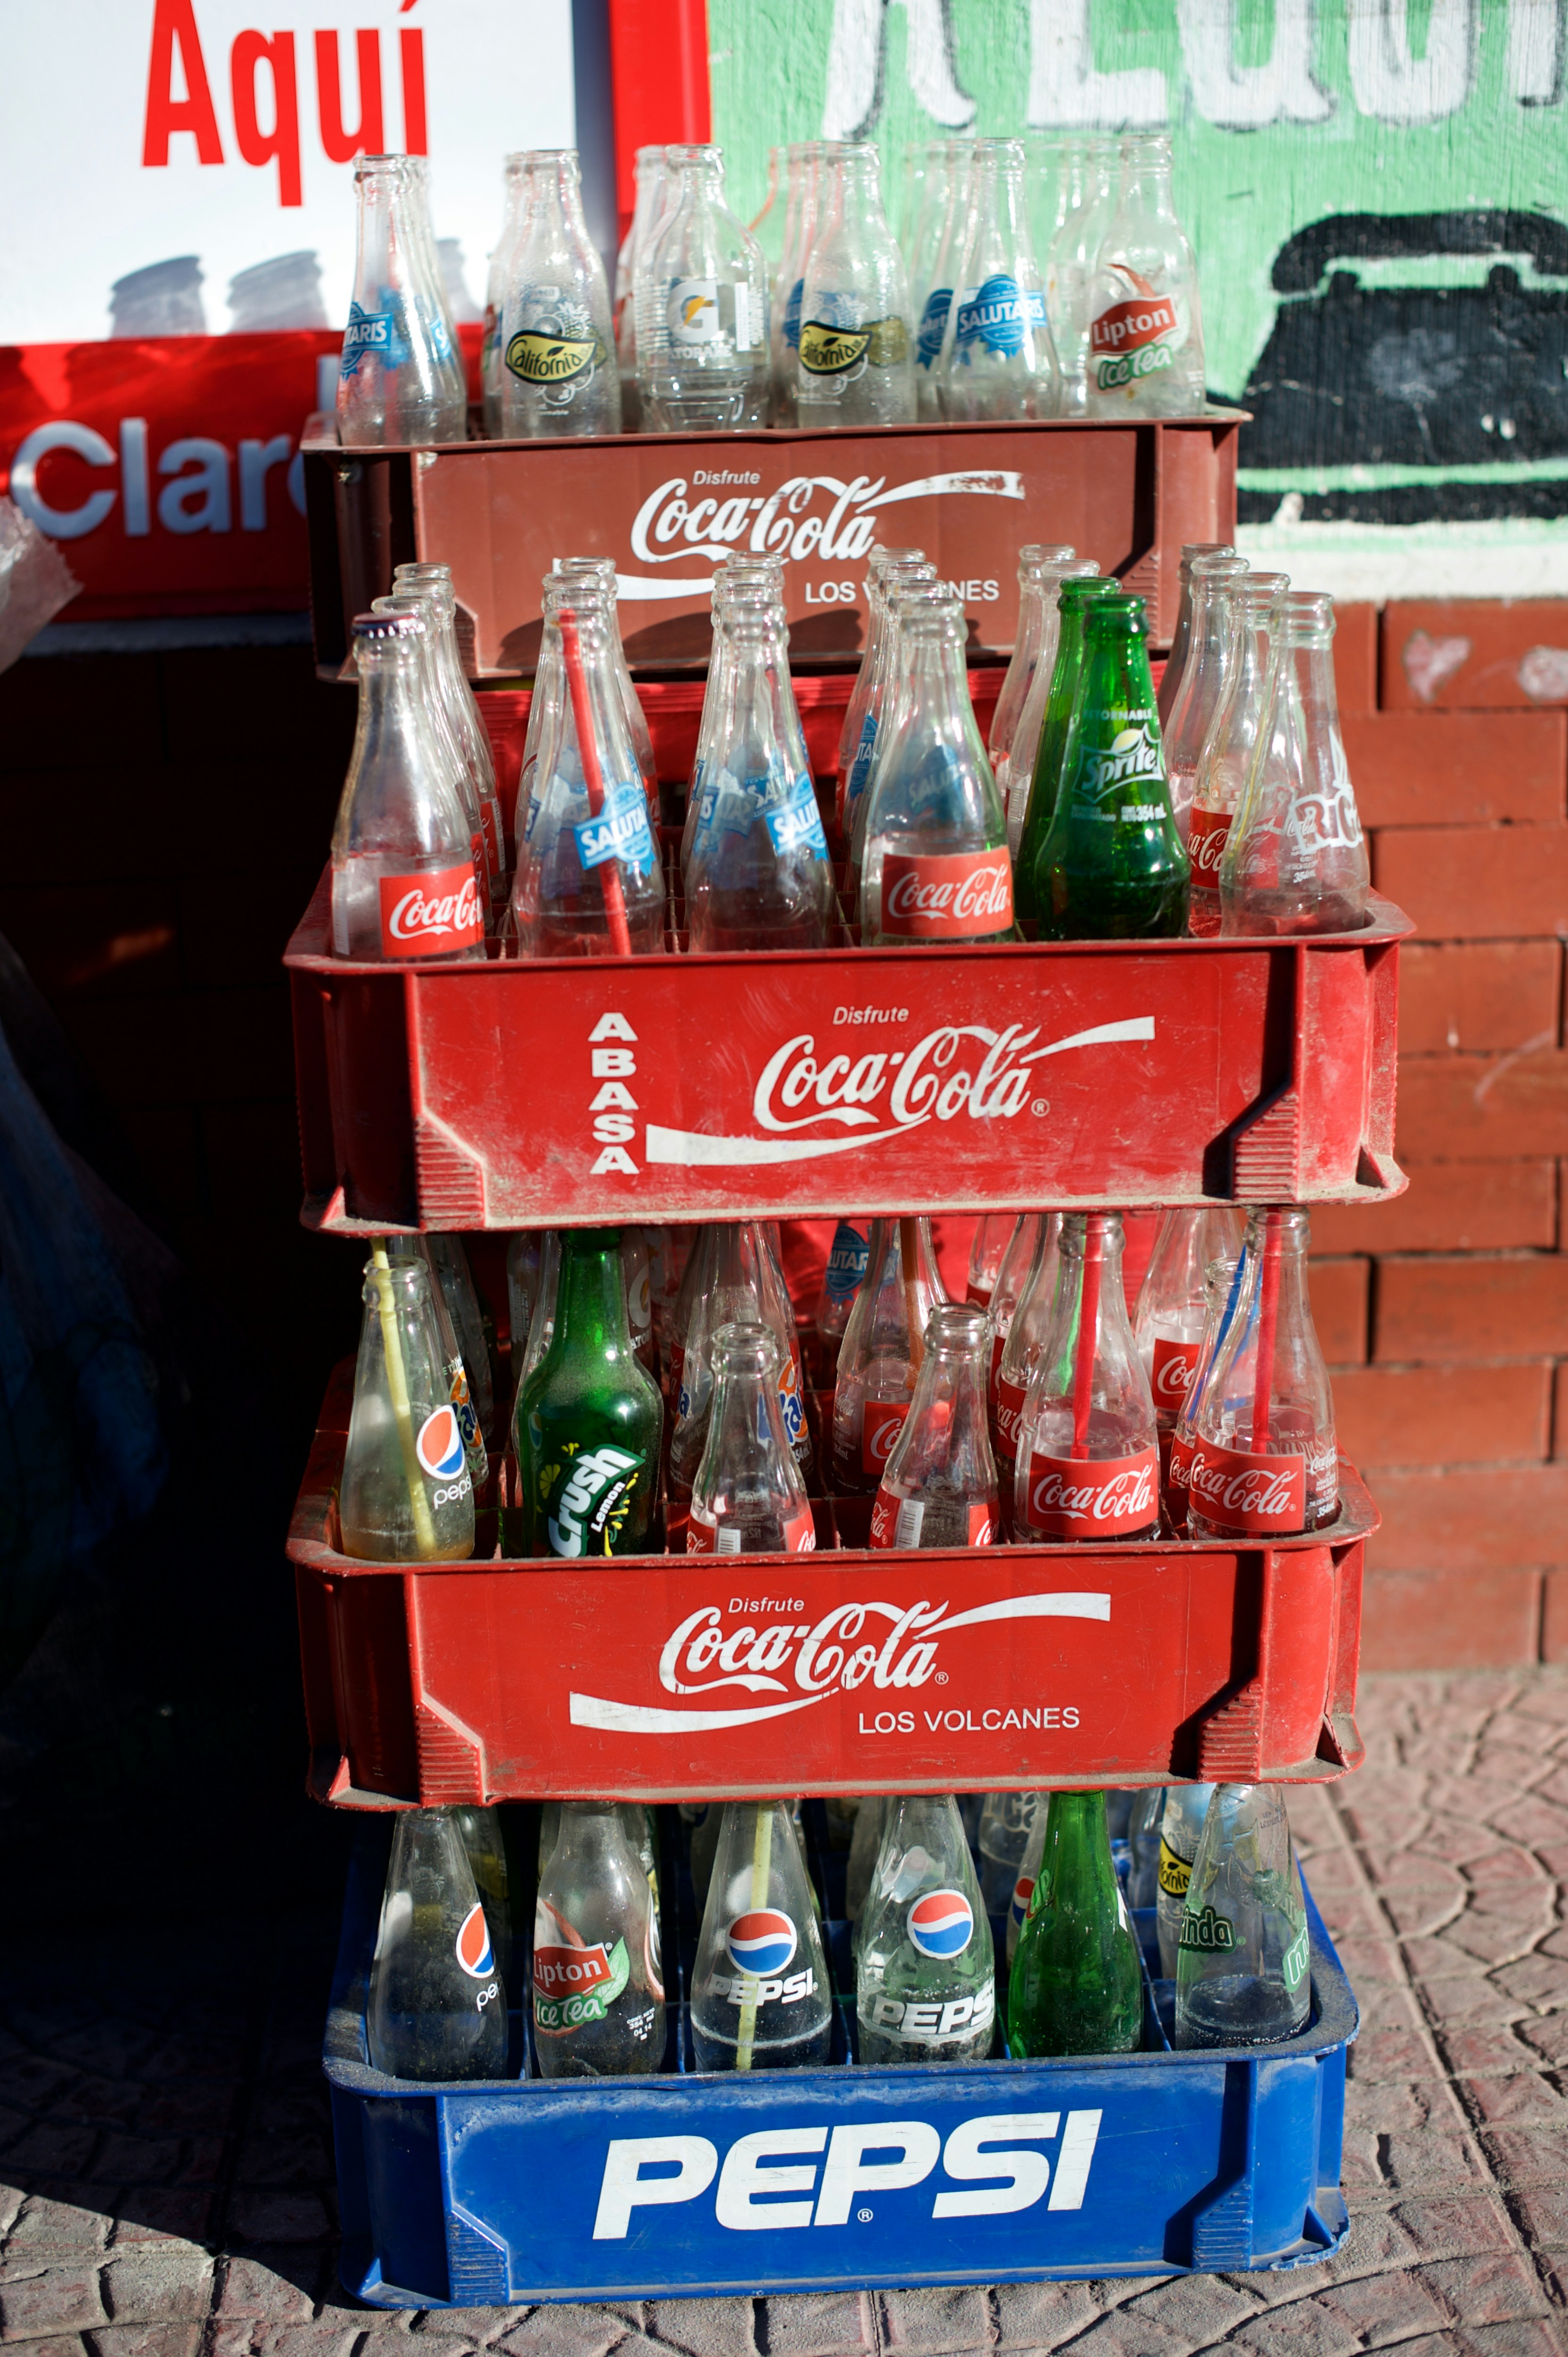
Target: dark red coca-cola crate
x=795, y=1084
x=681, y=1676
x=666, y=507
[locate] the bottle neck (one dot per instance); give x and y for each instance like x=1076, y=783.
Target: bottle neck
x=590, y=1301
x=1077, y=1846
x=390, y=727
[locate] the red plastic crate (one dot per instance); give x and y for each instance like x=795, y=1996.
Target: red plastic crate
x=1053, y=1665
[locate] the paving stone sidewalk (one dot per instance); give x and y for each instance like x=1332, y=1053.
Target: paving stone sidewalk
x=164, y=2143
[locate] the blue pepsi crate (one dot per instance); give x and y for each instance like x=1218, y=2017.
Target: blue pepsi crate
x=478, y=2193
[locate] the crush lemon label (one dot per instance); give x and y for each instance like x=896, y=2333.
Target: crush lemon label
x=594, y=1500
x=540, y=359
x=831, y=351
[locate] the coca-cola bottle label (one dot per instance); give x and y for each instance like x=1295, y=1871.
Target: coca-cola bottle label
x=879, y=1423
x=1322, y=1479
x=430, y=916
x=1094, y=1497
x=898, y=1521
x=946, y=896
x=1135, y=338
x=1177, y=1476
x=1010, y=1400
x=1257, y=1497
x=1206, y=846
x=722, y=1538
x=1172, y=1373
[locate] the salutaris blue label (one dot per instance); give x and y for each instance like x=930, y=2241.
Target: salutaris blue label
x=367, y=332
x=999, y=315
x=797, y=825
x=620, y=832
x=847, y=1262
x=933, y=321
x=792, y=314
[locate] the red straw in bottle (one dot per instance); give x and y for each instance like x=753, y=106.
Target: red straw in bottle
x=1268, y=1320
x=593, y=777
x=1088, y=1321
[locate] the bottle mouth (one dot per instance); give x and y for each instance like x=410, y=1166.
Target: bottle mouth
x=375, y=630
x=953, y=1327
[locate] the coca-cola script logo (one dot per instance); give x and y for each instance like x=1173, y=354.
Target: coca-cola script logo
x=1172, y=1373
x=1093, y=1498
x=881, y=1422
x=946, y=896
x=885, y=1646
x=1010, y=1397
x=1252, y=1495
x=1205, y=846
x=430, y=916
x=819, y=517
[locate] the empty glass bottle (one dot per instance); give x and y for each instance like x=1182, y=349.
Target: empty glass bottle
x=1048, y=187
x=870, y=708
x=406, y=1494
x=1254, y=606
x=1265, y=1460
x=804, y=174
x=1145, y=356
x=1028, y=1331
x=880, y=1355
x=1167, y=1324
x=1028, y=1874
x=760, y=1997
x=441, y=739
x=1007, y=1822
x=1046, y=720
x=432, y=585
x=925, y=1971
x=1181, y=636
x=459, y=1388
x=650, y=175
x=542, y=1320
x=749, y=1497
x=735, y=1279
x=1012, y=1275
x=598, y=1982
x=449, y=1261
x=1089, y=1464
x=1015, y=773
x=849, y=1256
x=855, y=358
x=932, y=278
x=992, y=1235
x=1093, y=172
x=1143, y=1822
x=997, y=358
x=1040, y=571
x=1181, y=1830
x=481, y=1833
x=865, y=1844
x=1296, y=859
x=601, y=571
x=1206, y=671
x=1221, y=1289
x=701, y=330
x=561, y=375
x=400, y=377
x=515, y=172
x=1076, y=1986
x=1243, y=1971
x=437, y=2003
x=590, y=1419
x=938, y=1489
x=741, y=585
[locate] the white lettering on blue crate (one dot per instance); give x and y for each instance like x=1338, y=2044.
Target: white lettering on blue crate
x=993, y=2152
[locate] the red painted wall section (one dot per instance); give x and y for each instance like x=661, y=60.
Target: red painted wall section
x=659, y=75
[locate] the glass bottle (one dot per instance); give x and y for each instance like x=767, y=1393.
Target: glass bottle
x=1089, y=1463
x=569, y=572
x=1012, y=1274
x=1181, y=637
x=938, y=1489
x=1181, y=1831
x=542, y=1324
x=1028, y=1874
x=1168, y=1321
x=872, y=699
x=1145, y=356
x=1256, y=607
x=1028, y=1331
x=905, y=594
x=702, y=334
x=997, y=359
x=561, y=374
x=849, y=1256
x=1206, y=673
x=515, y=169
x=459, y=1390
x=479, y=1831
x=1263, y=1461
x=1015, y=777
x=734, y=1280
x=1112, y=867
x=760, y=1995
x=589, y=1420
x=441, y=738
x=406, y=1495
x=1048, y=187
x=988, y=1249
x=599, y=1980
x=1076, y=1986
x=1295, y=859
x=436, y=2008
x=855, y=359
x=880, y=1355
x=804, y=163
x=403, y=880
x=401, y=377
x=1040, y=572
x=1144, y=1848
x=648, y=174
x=932, y=284
x=1038, y=777
x=1221, y=1290
x=731, y=596
x=1093, y=172
x=749, y=1497
x=449, y=1263
x=1244, y=1969
x=865, y=1848
x=432, y=585
x=925, y=1973
x=935, y=865
x=1007, y=1822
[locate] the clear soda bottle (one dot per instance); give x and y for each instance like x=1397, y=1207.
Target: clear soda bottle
x=931, y=280
x=568, y=572
x=1253, y=611
x=804, y=176
x=598, y=1982
x=738, y=590
x=1181, y=636
x=906, y=594
x=1146, y=335
x=935, y=865
x=560, y=371
x=406, y=1494
x=1144, y=1822
x=749, y=1497
x=1041, y=570
x=761, y=1997
x=1264, y=1461
x=1168, y=1322
x=1185, y=722
x=880, y=1355
x=401, y=377
x=735, y=1279
x=868, y=719
x=1089, y=1461
x=1047, y=719
x=515, y=169
x=459, y=1388
x=865, y=1844
x=1048, y=189
x=542, y=1317
x=939, y=1485
x=432, y=585
x=441, y=738
x=650, y=175
x=702, y=332
x=1089, y=199
x=1028, y=1876
x=1012, y=1275
x=1221, y=1287
x=480, y=1830
x=925, y=1980
x=637, y=1265
x=1295, y=859
x=1006, y=1823
x=1244, y=1965
x=1016, y=772
x=856, y=359
x=849, y=1256
x=404, y=885
x=987, y=1251
x=1076, y=1987
x=997, y=358
x=1181, y=1829
x=437, y=2005
x=449, y=1261
x=1023, y=1347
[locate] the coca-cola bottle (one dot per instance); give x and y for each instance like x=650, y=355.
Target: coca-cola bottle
x=1092, y=172
x=1221, y=1288
x=849, y=1256
x=1181, y=636
x=515, y=170
x=1088, y=1460
x=997, y=358
x=401, y=377
x=1028, y=1330
x=701, y=330
x=406, y=1494
x=1186, y=721
x=749, y=1497
x=935, y=865
x=1263, y=1461
x=1254, y=604
x=1295, y=859
x=1040, y=574
x=803, y=184
x=881, y=1352
x=442, y=741
x=561, y=374
x=939, y=1485
x=1012, y=1274
x=735, y=1280
x=404, y=885
x=432, y=585
x=855, y=361
x=858, y=735
x=1036, y=777
x=1167, y=1324
x=879, y=683
x=1145, y=332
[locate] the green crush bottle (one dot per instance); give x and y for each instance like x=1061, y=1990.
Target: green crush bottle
x=1113, y=866
x=1075, y=1988
x=1061, y=701
x=590, y=1419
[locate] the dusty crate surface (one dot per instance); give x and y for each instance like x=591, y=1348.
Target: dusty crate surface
x=164, y=2137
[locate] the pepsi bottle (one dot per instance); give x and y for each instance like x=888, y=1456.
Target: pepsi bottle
x=437, y=2004
x=925, y=1970
x=760, y=1999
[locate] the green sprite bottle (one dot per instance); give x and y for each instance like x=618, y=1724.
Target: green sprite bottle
x=590, y=1419
x=1075, y=1988
x=1061, y=701
x=1113, y=866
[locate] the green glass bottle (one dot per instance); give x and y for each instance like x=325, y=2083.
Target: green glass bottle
x=1113, y=866
x=1061, y=701
x=590, y=1419
x=1075, y=1988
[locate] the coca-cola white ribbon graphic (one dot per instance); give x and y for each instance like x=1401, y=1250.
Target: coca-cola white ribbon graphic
x=960, y=1071
x=429, y=916
x=1094, y=1497
x=882, y=1647
x=1251, y=1495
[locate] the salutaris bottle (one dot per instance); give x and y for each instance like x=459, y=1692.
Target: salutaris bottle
x=401, y=377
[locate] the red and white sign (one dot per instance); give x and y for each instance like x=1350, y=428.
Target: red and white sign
x=1206, y=846
x=947, y=896
x=1172, y=1373
x=1123, y=326
x=881, y=1422
x=1093, y=1498
x=430, y=916
x=1253, y=1496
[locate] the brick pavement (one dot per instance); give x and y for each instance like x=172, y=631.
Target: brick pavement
x=166, y=2153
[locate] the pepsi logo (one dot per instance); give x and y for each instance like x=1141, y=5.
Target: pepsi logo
x=440, y=1445
x=472, y=1945
x=1023, y=1891
x=762, y=1942
x=941, y=1923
